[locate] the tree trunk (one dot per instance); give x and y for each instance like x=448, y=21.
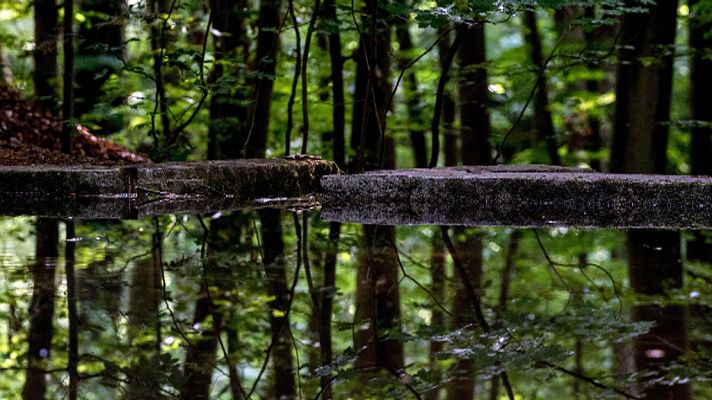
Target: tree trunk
x=143, y=315
x=377, y=297
x=41, y=308
x=266, y=61
x=228, y=110
x=701, y=88
x=413, y=98
x=643, y=97
x=437, y=289
x=337, y=82
x=449, y=109
x=99, y=50
x=543, y=121
x=276, y=271
x=475, y=150
x=45, y=53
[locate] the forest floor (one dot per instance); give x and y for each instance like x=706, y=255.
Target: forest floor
x=29, y=135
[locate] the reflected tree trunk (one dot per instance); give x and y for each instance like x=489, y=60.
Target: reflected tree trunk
x=643, y=97
x=437, y=289
x=42, y=308
x=276, y=271
x=73, y=345
x=143, y=316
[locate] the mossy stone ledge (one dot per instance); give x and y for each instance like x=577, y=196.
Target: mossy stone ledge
x=518, y=196
x=155, y=189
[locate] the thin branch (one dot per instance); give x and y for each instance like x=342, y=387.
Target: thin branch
x=590, y=380
x=412, y=279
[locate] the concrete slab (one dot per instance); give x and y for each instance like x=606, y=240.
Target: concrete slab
x=156, y=189
x=525, y=196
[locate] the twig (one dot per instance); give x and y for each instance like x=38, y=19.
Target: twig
x=590, y=380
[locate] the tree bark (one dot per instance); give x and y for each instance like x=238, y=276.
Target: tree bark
x=377, y=296
x=413, y=101
x=474, y=118
x=266, y=61
x=45, y=53
x=228, y=110
x=475, y=150
x=337, y=82
x=42, y=308
x=449, y=106
x=99, y=49
x=701, y=88
x=643, y=97
x=543, y=121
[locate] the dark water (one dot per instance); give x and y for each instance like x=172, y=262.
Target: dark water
x=173, y=307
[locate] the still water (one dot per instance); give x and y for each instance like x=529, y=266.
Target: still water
x=242, y=306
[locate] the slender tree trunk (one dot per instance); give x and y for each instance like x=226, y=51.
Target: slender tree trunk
x=158, y=45
x=413, y=101
x=99, y=49
x=469, y=248
x=505, y=282
x=326, y=298
x=377, y=296
x=41, y=308
x=437, y=289
x=474, y=118
x=475, y=150
x=701, y=88
x=68, y=77
x=276, y=271
x=73, y=345
x=543, y=121
x=45, y=53
x=228, y=111
x=337, y=82
x=643, y=97
x=266, y=62
x=144, y=314
x=449, y=108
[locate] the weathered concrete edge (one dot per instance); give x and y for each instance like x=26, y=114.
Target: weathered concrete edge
x=155, y=189
x=523, y=199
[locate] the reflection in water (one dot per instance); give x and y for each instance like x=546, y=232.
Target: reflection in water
x=241, y=306
x=40, y=332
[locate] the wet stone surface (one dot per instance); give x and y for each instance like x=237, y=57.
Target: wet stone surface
x=524, y=196
x=155, y=189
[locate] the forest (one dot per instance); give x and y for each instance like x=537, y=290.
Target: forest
x=269, y=303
